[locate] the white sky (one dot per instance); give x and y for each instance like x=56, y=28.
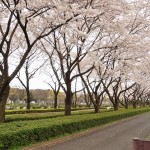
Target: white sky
x=35, y=83
x=38, y=82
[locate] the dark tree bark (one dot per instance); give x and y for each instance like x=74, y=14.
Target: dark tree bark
x=96, y=107
x=55, y=101
x=116, y=106
x=68, y=102
x=3, y=100
x=69, y=94
x=56, y=92
x=28, y=100
x=134, y=105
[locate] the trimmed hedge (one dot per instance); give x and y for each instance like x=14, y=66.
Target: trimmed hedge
x=25, y=132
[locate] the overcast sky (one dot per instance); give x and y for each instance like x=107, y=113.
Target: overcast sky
x=38, y=82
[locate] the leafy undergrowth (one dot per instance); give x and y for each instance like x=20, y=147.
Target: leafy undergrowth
x=25, y=132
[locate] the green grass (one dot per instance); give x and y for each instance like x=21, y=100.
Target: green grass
x=25, y=132
x=23, y=111
x=32, y=116
x=46, y=115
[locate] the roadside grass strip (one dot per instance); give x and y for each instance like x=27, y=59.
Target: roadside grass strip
x=45, y=115
x=21, y=133
x=23, y=111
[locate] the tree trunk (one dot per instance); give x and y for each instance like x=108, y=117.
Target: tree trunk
x=116, y=106
x=96, y=107
x=134, y=105
x=126, y=106
x=75, y=100
x=68, y=102
x=28, y=100
x=69, y=95
x=55, y=102
x=74, y=104
x=3, y=100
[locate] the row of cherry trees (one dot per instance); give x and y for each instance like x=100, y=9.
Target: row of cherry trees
x=103, y=46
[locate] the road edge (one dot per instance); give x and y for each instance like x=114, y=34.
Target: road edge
x=58, y=140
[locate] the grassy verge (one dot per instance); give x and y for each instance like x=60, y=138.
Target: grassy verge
x=26, y=132
x=23, y=111
x=37, y=116
x=32, y=116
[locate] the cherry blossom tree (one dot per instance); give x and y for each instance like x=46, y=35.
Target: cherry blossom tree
x=23, y=24
x=70, y=30
x=67, y=61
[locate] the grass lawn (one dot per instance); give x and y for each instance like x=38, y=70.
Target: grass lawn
x=24, y=111
x=46, y=115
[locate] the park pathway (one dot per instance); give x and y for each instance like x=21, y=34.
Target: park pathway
x=117, y=136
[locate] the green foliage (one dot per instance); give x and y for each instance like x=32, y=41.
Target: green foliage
x=25, y=132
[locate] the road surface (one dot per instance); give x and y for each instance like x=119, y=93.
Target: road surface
x=114, y=137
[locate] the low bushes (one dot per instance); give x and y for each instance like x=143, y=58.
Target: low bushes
x=25, y=132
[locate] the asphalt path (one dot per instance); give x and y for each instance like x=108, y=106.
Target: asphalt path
x=113, y=137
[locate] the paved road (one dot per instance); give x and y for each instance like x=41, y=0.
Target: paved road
x=115, y=137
